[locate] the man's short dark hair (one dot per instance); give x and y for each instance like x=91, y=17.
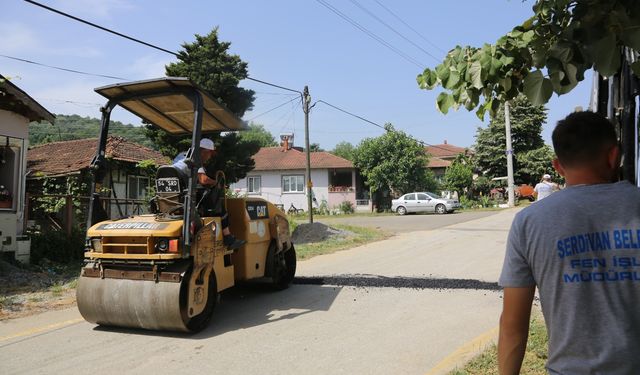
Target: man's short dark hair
x=581, y=136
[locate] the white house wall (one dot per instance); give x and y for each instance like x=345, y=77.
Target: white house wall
x=271, y=187
x=11, y=222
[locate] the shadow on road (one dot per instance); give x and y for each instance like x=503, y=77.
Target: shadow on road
x=250, y=305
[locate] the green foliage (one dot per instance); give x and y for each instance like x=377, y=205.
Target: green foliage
x=258, y=134
x=315, y=147
x=482, y=186
x=526, y=129
x=68, y=127
x=344, y=150
x=394, y=161
x=459, y=176
x=56, y=246
x=562, y=39
x=346, y=207
x=74, y=186
x=208, y=63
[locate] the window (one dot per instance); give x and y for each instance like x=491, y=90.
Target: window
x=410, y=197
x=293, y=184
x=138, y=187
x=423, y=197
x=254, y=183
x=10, y=172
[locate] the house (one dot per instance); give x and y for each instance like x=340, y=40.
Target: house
x=442, y=156
x=126, y=183
x=17, y=109
x=279, y=177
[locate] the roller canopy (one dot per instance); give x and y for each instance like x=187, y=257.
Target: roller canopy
x=165, y=103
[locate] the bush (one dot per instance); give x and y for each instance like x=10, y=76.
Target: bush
x=56, y=246
x=346, y=207
x=468, y=203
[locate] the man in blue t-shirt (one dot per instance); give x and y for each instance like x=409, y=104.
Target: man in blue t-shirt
x=581, y=248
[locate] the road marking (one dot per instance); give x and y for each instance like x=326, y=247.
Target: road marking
x=35, y=330
x=464, y=352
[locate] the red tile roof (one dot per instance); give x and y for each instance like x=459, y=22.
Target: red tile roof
x=274, y=158
x=69, y=157
x=444, y=150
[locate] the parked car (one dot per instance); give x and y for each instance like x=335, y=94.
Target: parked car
x=423, y=202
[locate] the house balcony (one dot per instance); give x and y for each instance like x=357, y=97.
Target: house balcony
x=339, y=194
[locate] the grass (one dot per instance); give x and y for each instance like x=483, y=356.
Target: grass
x=535, y=357
x=358, y=236
x=57, y=289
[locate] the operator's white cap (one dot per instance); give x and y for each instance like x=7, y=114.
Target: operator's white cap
x=546, y=177
x=206, y=143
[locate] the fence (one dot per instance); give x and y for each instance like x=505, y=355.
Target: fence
x=71, y=214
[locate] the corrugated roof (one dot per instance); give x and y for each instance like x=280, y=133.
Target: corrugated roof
x=274, y=158
x=70, y=157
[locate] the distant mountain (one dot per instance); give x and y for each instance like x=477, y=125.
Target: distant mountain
x=69, y=127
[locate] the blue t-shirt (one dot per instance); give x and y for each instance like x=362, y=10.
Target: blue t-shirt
x=581, y=247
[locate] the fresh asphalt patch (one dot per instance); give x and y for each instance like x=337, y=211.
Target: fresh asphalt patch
x=374, y=281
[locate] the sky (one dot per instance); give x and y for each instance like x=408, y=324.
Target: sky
x=290, y=43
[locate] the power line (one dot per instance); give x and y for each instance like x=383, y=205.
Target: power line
x=351, y=114
x=409, y=26
x=356, y=3
x=273, y=109
x=375, y=124
x=140, y=41
x=63, y=69
x=100, y=27
x=371, y=34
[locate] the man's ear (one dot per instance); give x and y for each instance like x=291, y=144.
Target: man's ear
x=558, y=167
x=613, y=158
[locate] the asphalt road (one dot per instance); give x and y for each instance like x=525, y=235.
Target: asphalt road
x=398, y=306
x=409, y=223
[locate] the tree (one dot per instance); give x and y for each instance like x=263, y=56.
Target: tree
x=259, y=135
x=315, y=147
x=459, y=176
x=344, y=150
x=208, y=63
x=563, y=39
x=394, y=161
x=68, y=127
x=528, y=147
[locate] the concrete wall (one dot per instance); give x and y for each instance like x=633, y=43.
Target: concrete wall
x=16, y=126
x=271, y=188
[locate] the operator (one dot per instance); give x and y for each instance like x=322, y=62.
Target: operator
x=207, y=152
x=579, y=246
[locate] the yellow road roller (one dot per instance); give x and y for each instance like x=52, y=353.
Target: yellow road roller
x=164, y=271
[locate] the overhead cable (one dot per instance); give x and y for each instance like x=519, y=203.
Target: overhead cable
x=140, y=41
x=356, y=3
x=63, y=69
x=409, y=26
x=371, y=34
x=273, y=109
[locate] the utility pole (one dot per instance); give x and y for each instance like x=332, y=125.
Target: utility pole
x=307, y=98
x=507, y=125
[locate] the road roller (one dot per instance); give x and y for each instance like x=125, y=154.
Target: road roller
x=165, y=270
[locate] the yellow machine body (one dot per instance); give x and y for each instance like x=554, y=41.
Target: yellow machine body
x=139, y=274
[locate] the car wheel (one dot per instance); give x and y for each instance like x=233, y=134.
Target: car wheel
x=441, y=209
x=401, y=210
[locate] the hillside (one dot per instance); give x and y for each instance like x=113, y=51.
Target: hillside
x=68, y=127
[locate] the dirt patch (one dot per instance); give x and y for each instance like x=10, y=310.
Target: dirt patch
x=34, y=289
x=316, y=232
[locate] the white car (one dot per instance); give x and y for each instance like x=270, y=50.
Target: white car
x=423, y=202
